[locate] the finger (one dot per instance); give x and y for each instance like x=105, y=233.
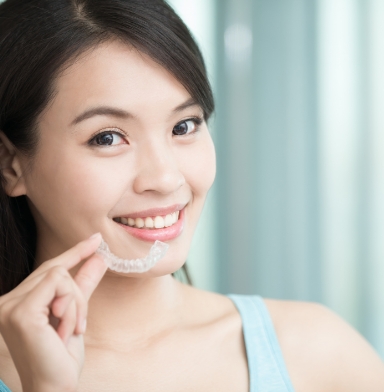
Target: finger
x=24, y=287
x=79, y=252
x=56, y=283
x=68, y=322
x=68, y=259
x=31, y=282
x=60, y=304
x=90, y=274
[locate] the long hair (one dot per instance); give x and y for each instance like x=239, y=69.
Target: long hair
x=38, y=40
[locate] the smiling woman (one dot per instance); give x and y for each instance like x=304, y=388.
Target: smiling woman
x=89, y=27
x=103, y=116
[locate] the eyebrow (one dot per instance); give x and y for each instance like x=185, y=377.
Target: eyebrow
x=120, y=113
x=188, y=103
x=101, y=111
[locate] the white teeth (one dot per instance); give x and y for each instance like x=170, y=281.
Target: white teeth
x=168, y=221
x=159, y=222
x=149, y=223
x=139, y=223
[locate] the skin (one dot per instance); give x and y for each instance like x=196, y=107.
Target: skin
x=146, y=332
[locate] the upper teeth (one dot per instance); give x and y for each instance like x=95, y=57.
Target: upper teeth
x=157, y=222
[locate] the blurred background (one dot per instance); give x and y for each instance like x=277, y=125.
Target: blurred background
x=297, y=210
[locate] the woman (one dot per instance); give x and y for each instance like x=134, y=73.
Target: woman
x=103, y=115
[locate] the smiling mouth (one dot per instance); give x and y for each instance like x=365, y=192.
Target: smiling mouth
x=150, y=222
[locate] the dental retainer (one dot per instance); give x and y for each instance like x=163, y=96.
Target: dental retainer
x=157, y=252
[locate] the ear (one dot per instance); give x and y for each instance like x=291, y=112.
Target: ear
x=10, y=167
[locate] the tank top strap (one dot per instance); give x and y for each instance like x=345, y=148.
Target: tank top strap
x=266, y=366
x=3, y=387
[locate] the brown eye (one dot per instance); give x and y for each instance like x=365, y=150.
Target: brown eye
x=107, y=139
x=184, y=128
x=104, y=140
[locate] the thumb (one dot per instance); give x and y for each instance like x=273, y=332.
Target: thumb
x=90, y=274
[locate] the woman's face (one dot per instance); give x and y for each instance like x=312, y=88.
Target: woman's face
x=122, y=140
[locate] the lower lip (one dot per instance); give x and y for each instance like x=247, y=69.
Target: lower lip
x=165, y=234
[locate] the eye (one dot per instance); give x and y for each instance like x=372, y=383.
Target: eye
x=107, y=138
x=187, y=127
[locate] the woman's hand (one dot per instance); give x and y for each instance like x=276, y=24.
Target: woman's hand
x=42, y=320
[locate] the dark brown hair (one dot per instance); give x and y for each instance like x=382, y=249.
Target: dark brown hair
x=40, y=37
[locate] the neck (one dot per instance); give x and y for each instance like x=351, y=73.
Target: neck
x=123, y=309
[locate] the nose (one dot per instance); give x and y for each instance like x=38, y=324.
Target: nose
x=158, y=171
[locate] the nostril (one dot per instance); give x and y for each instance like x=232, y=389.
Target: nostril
x=160, y=178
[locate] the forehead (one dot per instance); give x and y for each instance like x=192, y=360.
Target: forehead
x=118, y=75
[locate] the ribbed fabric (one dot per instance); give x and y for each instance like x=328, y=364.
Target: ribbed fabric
x=3, y=387
x=267, y=370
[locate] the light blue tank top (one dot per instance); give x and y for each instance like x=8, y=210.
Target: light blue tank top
x=266, y=366
x=267, y=370
x=3, y=387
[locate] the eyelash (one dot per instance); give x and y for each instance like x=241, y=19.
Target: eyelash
x=196, y=120
x=114, y=130
x=111, y=130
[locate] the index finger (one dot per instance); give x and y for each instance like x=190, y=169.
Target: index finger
x=79, y=252
x=69, y=258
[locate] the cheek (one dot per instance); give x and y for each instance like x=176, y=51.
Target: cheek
x=78, y=187
x=199, y=167
x=96, y=183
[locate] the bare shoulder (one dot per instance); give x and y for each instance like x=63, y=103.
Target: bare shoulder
x=215, y=326
x=216, y=315
x=212, y=307
x=322, y=351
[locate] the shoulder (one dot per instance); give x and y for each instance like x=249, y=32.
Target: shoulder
x=215, y=315
x=207, y=307
x=322, y=352
x=215, y=328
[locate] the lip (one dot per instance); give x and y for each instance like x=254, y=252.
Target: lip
x=155, y=212
x=151, y=235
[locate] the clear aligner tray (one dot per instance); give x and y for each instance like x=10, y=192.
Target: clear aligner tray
x=157, y=252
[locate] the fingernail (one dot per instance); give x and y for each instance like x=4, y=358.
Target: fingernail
x=84, y=326
x=95, y=235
